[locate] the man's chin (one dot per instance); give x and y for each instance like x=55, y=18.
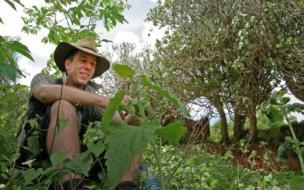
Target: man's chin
x=82, y=82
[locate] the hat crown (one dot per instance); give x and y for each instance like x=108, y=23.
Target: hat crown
x=88, y=43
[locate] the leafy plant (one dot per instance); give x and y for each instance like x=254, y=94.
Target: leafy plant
x=136, y=138
x=282, y=102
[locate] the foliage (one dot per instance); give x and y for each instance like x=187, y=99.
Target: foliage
x=65, y=21
x=193, y=168
x=72, y=20
x=8, y=50
x=135, y=138
x=293, y=142
x=12, y=105
x=230, y=51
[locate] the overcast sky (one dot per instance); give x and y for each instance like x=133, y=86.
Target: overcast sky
x=136, y=31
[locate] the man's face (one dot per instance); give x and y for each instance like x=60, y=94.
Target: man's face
x=80, y=69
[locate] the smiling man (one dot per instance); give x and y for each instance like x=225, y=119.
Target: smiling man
x=73, y=98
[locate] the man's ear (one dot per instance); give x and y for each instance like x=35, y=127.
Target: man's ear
x=67, y=64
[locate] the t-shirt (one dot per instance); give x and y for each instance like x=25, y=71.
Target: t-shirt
x=88, y=113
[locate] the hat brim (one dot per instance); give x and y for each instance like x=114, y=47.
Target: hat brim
x=64, y=49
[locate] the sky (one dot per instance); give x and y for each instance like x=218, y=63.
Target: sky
x=135, y=31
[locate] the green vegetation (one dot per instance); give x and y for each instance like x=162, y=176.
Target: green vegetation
x=239, y=57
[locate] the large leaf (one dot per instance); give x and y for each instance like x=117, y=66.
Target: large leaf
x=96, y=148
x=57, y=158
x=111, y=108
x=123, y=71
x=173, y=132
x=81, y=164
x=123, y=143
x=20, y=48
x=174, y=100
x=30, y=174
x=33, y=145
x=9, y=70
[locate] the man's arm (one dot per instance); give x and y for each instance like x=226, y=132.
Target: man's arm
x=49, y=93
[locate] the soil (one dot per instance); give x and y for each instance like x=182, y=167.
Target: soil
x=257, y=157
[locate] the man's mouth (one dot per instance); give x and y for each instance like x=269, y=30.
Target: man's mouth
x=86, y=75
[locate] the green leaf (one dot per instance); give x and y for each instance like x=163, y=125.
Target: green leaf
x=57, y=158
x=174, y=100
x=11, y=4
x=62, y=124
x=20, y=48
x=296, y=181
x=123, y=71
x=284, y=150
x=295, y=107
x=173, y=132
x=81, y=164
x=96, y=148
x=30, y=174
x=285, y=100
x=275, y=115
x=9, y=70
x=123, y=143
x=282, y=92
x=111, y=108
x=1, y=21
x=274, y=101
x=33, y=144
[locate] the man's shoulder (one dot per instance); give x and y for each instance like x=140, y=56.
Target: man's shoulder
x=92, y=87
x=41, y=78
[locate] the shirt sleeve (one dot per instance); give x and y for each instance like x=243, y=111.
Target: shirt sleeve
x=38, y=80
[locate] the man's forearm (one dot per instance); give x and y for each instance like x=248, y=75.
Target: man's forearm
x=52, y=93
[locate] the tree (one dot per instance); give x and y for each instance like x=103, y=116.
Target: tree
x=227, y=50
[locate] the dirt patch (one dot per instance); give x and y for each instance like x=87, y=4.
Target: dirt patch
x=256, y=157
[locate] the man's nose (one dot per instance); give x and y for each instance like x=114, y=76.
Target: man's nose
x=88, y=66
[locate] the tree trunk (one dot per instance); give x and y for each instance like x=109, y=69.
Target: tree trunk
x=238, y=128
x=224, y=126
x=253, y=133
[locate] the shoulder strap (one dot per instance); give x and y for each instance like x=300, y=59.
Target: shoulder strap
x=58, y=81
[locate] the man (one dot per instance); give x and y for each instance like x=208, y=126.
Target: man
x=72, y=99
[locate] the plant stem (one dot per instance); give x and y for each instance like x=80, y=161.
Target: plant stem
x=162, y=183
x=296, y=139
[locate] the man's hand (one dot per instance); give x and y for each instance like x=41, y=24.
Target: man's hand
x=126, y=99
x=124, y=114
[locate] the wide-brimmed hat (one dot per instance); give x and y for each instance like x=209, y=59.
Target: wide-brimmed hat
x=64, y=49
